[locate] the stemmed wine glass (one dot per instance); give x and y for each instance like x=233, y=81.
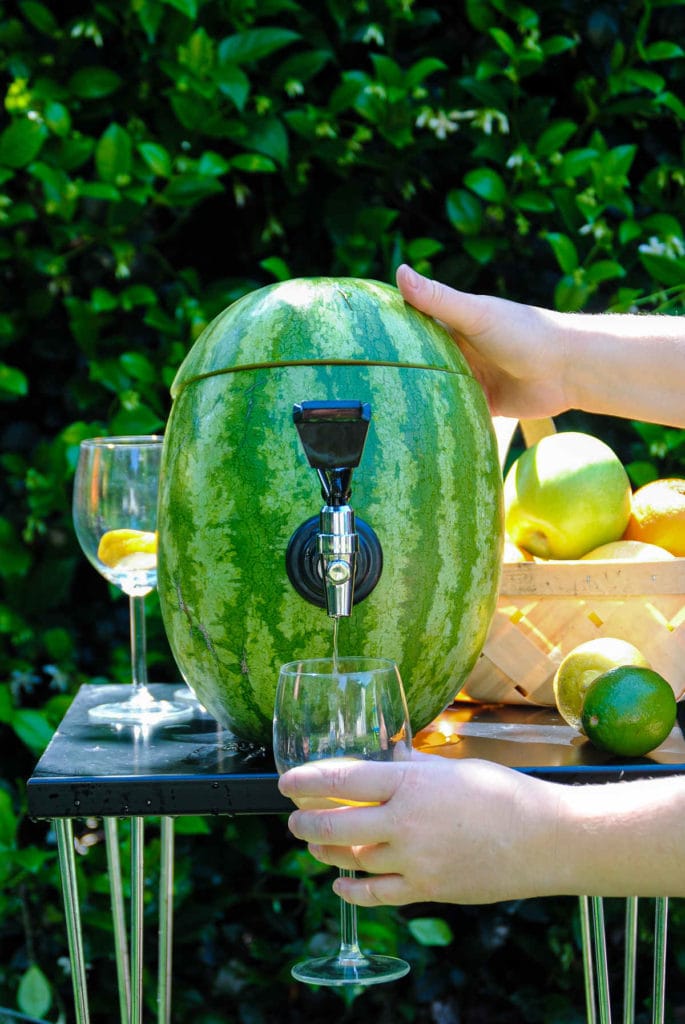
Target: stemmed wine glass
x=115, y=517
x=340, y=709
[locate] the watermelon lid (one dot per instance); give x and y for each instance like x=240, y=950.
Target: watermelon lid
x=320, y=320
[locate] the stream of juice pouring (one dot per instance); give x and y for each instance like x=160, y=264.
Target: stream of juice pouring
x=347, y=803
x=336, y=621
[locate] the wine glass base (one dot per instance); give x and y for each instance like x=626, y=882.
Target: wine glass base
x=141, y=712
x=364, y=970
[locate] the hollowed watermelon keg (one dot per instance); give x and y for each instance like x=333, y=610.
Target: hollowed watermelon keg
x=236, y=487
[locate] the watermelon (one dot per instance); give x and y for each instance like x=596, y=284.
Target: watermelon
x=235, y=485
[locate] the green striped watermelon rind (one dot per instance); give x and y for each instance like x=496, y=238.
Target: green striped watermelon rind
x=235, y=486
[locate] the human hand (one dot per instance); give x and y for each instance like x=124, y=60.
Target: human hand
x=516, y=352
x=450, y=831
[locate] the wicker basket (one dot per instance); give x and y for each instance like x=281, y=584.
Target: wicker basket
x=545, y=609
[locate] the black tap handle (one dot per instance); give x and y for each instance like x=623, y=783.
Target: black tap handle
x=332, y=433
x=333, y=436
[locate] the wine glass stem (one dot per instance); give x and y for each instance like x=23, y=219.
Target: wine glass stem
x=349, y=943
x=138, y=643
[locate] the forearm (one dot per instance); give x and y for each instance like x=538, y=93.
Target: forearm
x=621, y=839
x=625, y=365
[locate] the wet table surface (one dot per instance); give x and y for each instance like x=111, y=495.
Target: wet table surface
x=197, y=767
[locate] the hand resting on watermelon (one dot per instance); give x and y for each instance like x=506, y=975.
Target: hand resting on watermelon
x=534, y=362
x=470, y=831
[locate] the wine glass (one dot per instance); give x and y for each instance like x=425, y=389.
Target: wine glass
x=347, y=708
x=115, y=517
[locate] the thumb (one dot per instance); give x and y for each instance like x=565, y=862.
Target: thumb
x=460, y=311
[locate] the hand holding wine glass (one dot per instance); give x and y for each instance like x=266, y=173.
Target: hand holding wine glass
x=347, y=708
x=115, y=517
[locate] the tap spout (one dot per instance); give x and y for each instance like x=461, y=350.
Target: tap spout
x=338, y=546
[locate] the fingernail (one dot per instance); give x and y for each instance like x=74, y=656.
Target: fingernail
x=411, y=278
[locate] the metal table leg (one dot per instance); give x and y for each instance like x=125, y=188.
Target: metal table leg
x=604, y=1000
x=588, y=960
x=118, y=918
x=629, y=961
x=659, y=982
x=166, y=920
x=64, y=831
x=137, y=885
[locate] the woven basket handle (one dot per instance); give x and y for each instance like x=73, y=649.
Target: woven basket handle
x=532, y=431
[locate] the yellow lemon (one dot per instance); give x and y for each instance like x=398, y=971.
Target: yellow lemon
x=127, y=548
x=629, y=711
x=580, y=668
x=629, y=551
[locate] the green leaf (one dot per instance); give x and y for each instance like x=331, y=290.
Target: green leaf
x=464, y=211
x=35, y=995
x=138, y=366
x=276, y=266
x=187, y=7
x=504, y=41
x=604, y=270
x=212, y=164
x=141, y=420
x=487, y=184
x=534, y=201
x=664, y=269
x=557, y=44
x=575, y=163
x=156, y=157
x=98, y=190
x=555, y=137
x=8, y=820
x=662, y=50
x=268, y=137
x=12, y=381
x=57, y=118
x=188, y=189
x=15, y=559
x=253, y=44
x=40, y=17
x=32, y=727
x=253, y=163
x=564, y=250
x=570, y=295
x=481, y=250
x=418, y=72
x=113, y=155
x=21, y=142
x=234, y=83
x=431, y=931
x=674, y=103
x=93, y=83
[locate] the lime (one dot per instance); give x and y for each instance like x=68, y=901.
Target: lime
x=580, y=668
x=629, y=710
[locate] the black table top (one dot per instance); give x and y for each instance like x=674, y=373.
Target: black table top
x=196, y=767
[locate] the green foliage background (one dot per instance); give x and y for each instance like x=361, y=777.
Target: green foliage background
x=158, y=159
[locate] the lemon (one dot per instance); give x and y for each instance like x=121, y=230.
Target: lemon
x=580, y=668
x=129, y=549
x=629, y=710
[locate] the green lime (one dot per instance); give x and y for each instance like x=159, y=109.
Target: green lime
x=628, y=710
x=580, y=668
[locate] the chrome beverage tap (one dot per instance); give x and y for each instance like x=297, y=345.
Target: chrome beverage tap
x=334, y=560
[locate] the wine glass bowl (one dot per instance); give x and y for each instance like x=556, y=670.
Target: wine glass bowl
x=340, y=709
x=115, y=518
